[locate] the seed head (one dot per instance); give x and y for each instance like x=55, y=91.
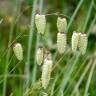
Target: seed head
x=18, y=51
x=61, y=42
x=83, y=40
x=46, y=72
x=40, y=22
x=75, y=39
x=39, y=56
x=61, y=24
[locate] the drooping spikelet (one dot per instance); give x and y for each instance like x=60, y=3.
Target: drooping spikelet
x=40, y=22
x=61, y=42
x=75, y=39
x=46, y=72
x=61, y=24
x=39, y=55
x=18, y=51
x=83, y=40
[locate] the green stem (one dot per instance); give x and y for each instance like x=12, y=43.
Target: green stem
x=88, y=16
x=89, y=79
x=27, y=64
x=81, y=78
x=92, y=24
x=36, y=47
x=74, y=14
x=8, y=54
x=77, y=73
x=68, y=75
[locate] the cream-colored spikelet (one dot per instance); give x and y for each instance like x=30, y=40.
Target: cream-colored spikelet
x=75, y=39
x=83, y=40
x=39, y=55
x=46, y=72
x=40, y=22
x=61, y=42
x=61, y=24
x=45, y=94
x=18, y=51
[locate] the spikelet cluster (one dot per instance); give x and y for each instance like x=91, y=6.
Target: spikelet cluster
x=18, y=51
x=79, y=40
x=46, y=72
x=83, y=40
x=75, y=39
x=40, y=22
x=61, y=42
x=61, y=24
x=39, y=55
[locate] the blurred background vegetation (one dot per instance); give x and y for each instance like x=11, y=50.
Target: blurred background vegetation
x=71, y=71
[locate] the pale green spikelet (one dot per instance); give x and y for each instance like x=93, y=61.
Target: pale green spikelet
x=61, y=42
x=18, y=51
x=83, y=40
x=46, y=72
x=45, y=94
x=61, y=24
x=40, y=22
x=75, y=39
x=39, y=55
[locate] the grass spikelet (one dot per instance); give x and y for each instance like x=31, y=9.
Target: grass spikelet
x=61, y=24
x=83, y=43
x=18, y=51
x=75, y=39
x=61, y=42
x=45, y=94
x=39, y=55
x=40, y=22
x=46, y=72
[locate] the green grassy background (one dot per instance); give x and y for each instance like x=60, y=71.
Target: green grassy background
x=73, y=74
